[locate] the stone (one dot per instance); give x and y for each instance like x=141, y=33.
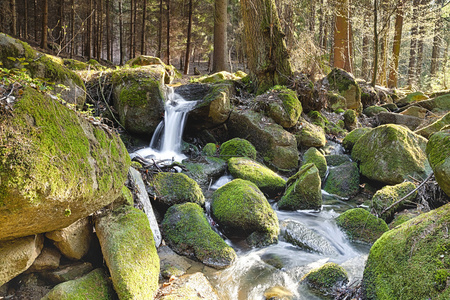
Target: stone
x=205, y=170
x=187, y=232
x=415, y=111
x=412, y=98
x=278, y=293
x=48, y=260
x=336, y=101
x=390, y=194
x=334, y=160
x=16, y=256
x=57, y=168
x=67, y=272
x=438, y=153
x=309, y=135
x=282, y=105
x=241, y=208
x=350, y=119
x=129, y=251
x=362, y=226
x=436, y=126
x=307, y=93
x=312, y=155
x=193, y=287
x=209, y=149
x=326, y=279
x=374, y=110
x=303, y=190
x=237, y=147
x=393, y=118
x=144, y=60
x=74, y=240
x=344, y=83
x=350, y=139
x=343, y=180
x=172, y=264
x=391, y=153
x=94, y=285
x=265, y=179
x=437, y=104
x=219, y=76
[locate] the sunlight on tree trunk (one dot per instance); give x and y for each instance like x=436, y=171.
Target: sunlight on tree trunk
x=188, y=44
x=342, y=50
x=393, y=73
x=220, y=36
x=44, y=40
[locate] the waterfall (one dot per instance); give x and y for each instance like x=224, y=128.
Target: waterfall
x=167, y=138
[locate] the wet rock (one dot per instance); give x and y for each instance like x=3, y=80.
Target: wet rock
x=334, y=160
x=67, y=272
x=326, y=279
x=303, y=190
x=336, y=101
x=427, y=131
x=265, y=179
x=206, y=169
x=193, y=287
x=312, y=155
x=237, y=147
x=171, y=263
x=241, y=208
x=94, y=285
x=344, y=83
x=391, y=153
x=309, y=135
x=278, y=293
x=210, y=149
x=48, y=260
x=393, y=118
x=220, y=76
x=390, y=194
x=187, y=232
x=350, y=139
x=74, y=240
x=16, y=256
x=193, y=91
x=273, y=259
x=343, y=180
x=307, y=239
x=129, y=251
x=438, y=152
x=360, y=225
x=374, y=110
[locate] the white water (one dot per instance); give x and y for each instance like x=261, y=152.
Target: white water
x=167, y=138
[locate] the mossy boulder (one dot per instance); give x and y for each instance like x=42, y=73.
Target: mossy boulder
x=283, y=106
x=350, y=139
x=241, y=208
x=187, y=231
x=350, y=119
x=415, y=111
x=393, y=118
x=17, y=54
x=411, y=98
x=374, y=110
x=361, y=225
x=437, y=104
x=343, y=180
x=94, y=285
x=176, y=188
x=411, y=261
x=345, y=84
x=277, y=146
x=138, y=98
x=326, y=279
x=206, y=169
x=303, y=190
x=265, y=179
x=427, y=131
x=312, y=155
x=390, y=194
x=129, y=251
x=75, y=65
x=334, y=160
x=55, y=167
x=144, y=60
x=390, y=154
x=219, y=76
x=309, y=135
x=237, y=147
x=336, y=101
x=438, y=152
x=210, y=149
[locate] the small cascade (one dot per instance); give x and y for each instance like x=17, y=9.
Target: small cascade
x=165, y=145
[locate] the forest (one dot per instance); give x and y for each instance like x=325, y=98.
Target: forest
x=406, y=42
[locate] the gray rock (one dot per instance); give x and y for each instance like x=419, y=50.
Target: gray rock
x=193, y=287
x=392, y=118
x=48, y=260
x=68, y=272
x=343, y=180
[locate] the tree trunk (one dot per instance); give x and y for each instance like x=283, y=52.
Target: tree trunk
x=144, y=17
x=268, y=59
x=108, y=32
x=25, y=19
x=188, y=45
x=312, y=17
x=342, y=50
x=121, y=32
x=168, y=32
x=420, y=43
x=375, y=44
x=220, y=36
x=36, y=26
x=383, y=66
x=159, y=53
x=13, y=8
x=365, y=63
x=100, y=30
x=131, y=28
x=435, y=54
x=393, y=74
x=413, y=45
x=59, y=26
x=44, y=24
x=88, y=43
x=134, y=9
x=72, y=28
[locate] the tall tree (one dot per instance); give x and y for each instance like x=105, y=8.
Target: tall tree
x=108, y=31
x=393, y=73
x=188, y=44
x=132, y=24
x=160, y=28
x=13, y=17
x=88, y=47
x=25, y=19
x=60, y=25
x=220, y=36
x=365, y=63
x=268, y=59
x=100, y=30
x=437, y=40
x=342, y=44
x=383, y=66
x=413, y=44
x=44, y=39
x=375, y=43
x=72, y=28
x=36, y=26
x=144, y=29
x=121, y=46
x=168, y=32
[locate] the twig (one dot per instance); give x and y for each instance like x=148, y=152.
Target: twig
x=12, y=89
x=106, y=102
x=407, y=195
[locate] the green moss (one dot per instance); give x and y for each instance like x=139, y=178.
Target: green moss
x=310, y=135
x=350, y=139
x=290, y=102
x=188, y=232
x=350, y=116
x=312, y=155
x=318, y=119
x=343, y=180
x=210, y=149
x=388, y=195
x=339, y=111
x=75, y=65
x=438, y=153
x=127, y=196
x=326, y=279
x=360, y=225
x=237, y=147
x=265, y=179
x=374, y=110
x=402, y=217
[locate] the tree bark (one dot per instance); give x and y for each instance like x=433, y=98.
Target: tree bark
x=375, y=46
x=108, y=31
x=435, y=53
x=365, y=63
x=100, y=30
x=188, y=45
x=144, y=21
x=13, y=17
x=342, y=50
x=134, y=28
x=393, y=73
x=413, y=45
x=420, y=42
x=268, y=59
x=88, y=43
x=159, y=53
x=44, y=38
x=36, y=26
x=168, y=32
x=132, y=3
x=121, y=32
x=312, y=17
x=72, y=28
x=383, y=66
x=220, y=36
x=25, y=19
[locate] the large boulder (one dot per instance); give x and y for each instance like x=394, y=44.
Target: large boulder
x=437, y=104
x=312, y=155
x=138, y=98
x=411, y=261
x=390, y=154
x=129, y=251
x=343, y=180
x=241, y=208
x=144, y=60
x=187, y=232
x=374, y=110
x=350, y=139
x=427, y=131
x=265, y=179
x=388, y=196
x=206, y=169
x=309, y=135
x=411, y=98
x=303, y=190
x=344, y=83
x=326, y=279
x=276, y=145
x=17, y=54
x=193, y=287
x=438, y=152
x=237, y=147
x=55, y=167
x=393, y=118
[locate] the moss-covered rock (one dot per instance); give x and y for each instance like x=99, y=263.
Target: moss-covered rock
x=237, y=147
x=427, y=131
x=391, y=153
x=210, y=149
x=334, y=160
x=55, y=167
x=219, y=76
x=309, y=135
x=312, y=155
x=277, y=146
x=343, y=180
x=438, y=104
x=360, y=225
x=203, y=171
x=350, y=139
x=411, y=98
x=390, y=194
x=374, y=110
x=303, y=190
x=187, y=231
x=326, y=279
x=344, y=83
x=17, y=54
x=75, y=65
x=394, y=118
x=336, y=101
x=94, y=285
x=415, y=111
x=403, y=216
x=176, y=188
x=138, y=97
x=283, y=107
x=265, y=179
x=317, y=118
x=144, y=60
x=129, y=251
x=350, y=119
x=408, y=261
x=438, y=152
x=241, y=208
